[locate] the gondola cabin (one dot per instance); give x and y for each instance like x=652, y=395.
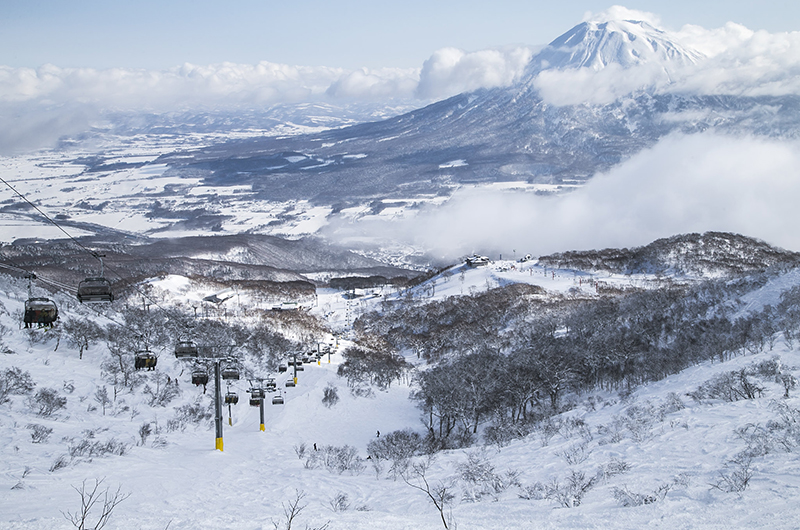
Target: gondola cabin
x=277, y=400
x=231, y=398
x=186, y=349
x=95, y=290
x=145, y=360
x=41, y=311
x=199, y=377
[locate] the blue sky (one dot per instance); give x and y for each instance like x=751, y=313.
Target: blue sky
x=348, y=34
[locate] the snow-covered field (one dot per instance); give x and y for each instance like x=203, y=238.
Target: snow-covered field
x=133, y=194
x=656, y=441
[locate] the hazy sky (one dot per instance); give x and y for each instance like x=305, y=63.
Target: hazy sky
x=337, y=33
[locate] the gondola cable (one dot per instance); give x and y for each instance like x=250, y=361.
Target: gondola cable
x=82, y=246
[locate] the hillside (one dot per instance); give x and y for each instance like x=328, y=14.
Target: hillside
x=711, y=253
x=682, y=450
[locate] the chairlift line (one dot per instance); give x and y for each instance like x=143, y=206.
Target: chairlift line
x=106, y=295
x=98, y=289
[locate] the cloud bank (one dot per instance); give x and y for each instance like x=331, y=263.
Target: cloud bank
x=451, y=71
x=739, y=61
x=684, y=184
x=40, y=105
x=447, y=72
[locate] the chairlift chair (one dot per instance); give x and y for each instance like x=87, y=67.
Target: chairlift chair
x=255, y=402
x=186, y=349
x=282, y=368
x=299, y=367
x=41, y=311
x=145, y=359
x=199, y=377
x=231, y=398
x=277, y=400
x=230, y=373
x=289, y=383
x=95, y=290
x=257, y=393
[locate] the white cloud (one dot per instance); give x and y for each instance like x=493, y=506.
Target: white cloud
x=39, y=105
x=745, y=63
x=223, y=83
x=31, y=125
x=586, y=85
x=384, y=83
x=684, y=184
x=622, y=13
x=711, y=42
x=450, y=71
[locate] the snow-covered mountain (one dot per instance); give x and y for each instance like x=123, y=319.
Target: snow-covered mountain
x=173, y=175
x=507, y=134
x=625, y=43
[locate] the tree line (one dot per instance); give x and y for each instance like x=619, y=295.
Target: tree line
x=507, y=357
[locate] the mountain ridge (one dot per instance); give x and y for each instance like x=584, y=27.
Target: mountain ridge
x=709, y=253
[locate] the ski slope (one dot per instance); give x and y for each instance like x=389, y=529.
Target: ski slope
x=178, y=481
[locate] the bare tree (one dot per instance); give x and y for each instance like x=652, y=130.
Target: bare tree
x=291, y=511
x=81, y=334
x=91, y=497
x=440, y=494
x=101, y=397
